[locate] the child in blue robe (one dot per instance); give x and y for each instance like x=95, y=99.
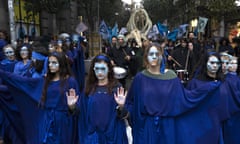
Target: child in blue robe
x=104, y=125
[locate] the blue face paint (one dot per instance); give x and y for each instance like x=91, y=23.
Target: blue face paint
x=24, y=50
x=233, y=65
x=8, y=52
x=225, y=64
x=213, y=64
x=59, y=42
x=154, y=56
x=101, y=70
x=53, y=64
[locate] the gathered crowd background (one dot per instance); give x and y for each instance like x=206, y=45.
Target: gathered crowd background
x=163, y=91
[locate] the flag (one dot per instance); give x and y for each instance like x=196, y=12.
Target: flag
x=173, y=35
x=81, y=27
x=202, y=22
x=155, y=29
x=153, y=32
x=162, y=29
x=115, y=30
x=123, y=31
x=182, y=30
x=103, y=30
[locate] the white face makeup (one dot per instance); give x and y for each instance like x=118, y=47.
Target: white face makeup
x=68, y=42
x=233, y=65
x=101, y=70
x=59, y=42
x=24, y=52
x=154, y=57
x=9, y=52
x=53, y=64
x=225, y=64
x=213, y=64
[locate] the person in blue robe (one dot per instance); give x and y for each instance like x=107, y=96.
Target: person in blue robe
x=155, y=99
x=3, y=42
x=47, y=106
x=232, y=125
x=8, y=63
x=39, y=61
x=78, y=66
x=104, y=124
x=12, y=125
x=24, y=60
x=203, y=124
x=8, y=133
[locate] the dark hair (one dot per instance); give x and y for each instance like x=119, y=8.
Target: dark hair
x=114, y=37
x=64, y=72
x=201, y=69
x=19, y=47
x=157, y=45
x=4, y=32
x=92, y=79
x=224, y=39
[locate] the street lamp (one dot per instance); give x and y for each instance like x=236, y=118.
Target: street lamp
x=237, y=2
x=194, y=23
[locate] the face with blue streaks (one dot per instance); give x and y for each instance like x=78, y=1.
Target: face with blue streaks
x=154, y=56
x=101, y=70
x=213, y=64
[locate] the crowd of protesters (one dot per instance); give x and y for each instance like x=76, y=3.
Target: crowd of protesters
x=161, y=91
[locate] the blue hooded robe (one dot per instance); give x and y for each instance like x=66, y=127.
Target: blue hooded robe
x=52, y=123
x=203, y=124
x=231, y=126
x=153, y=102
x=103, y=125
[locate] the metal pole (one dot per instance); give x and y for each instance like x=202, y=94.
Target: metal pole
x=12, y=22
x=100, y=39
x=20, y=15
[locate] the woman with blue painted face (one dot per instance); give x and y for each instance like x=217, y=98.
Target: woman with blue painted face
x=105, y=124
x=24, y=60
x=232, y=125
x=156, y=97
x=7, y=131
x=204, y=122
x=9, y=61
x=49, y=105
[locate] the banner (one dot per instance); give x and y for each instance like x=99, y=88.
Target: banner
x=103, y=30
x=153, y=32
x=202, y=22
x=115, y=30
x=81, y=27
x=123, y=31
x=173, y=35
x=182, y=30
x=162, y=29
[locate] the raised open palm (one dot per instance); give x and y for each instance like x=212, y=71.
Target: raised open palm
x=120, y=96
x=72, y=97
